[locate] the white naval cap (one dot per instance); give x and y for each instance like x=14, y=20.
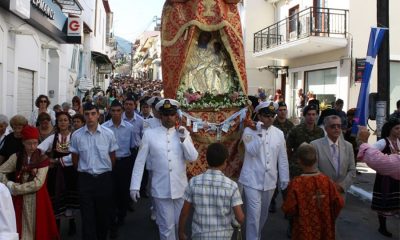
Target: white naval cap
x=153, y=100
x=167, y=105
x=267, y=107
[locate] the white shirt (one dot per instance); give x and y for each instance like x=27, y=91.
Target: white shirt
x=167, y=155
x=8, y=225
x=265, y=156
x=47, y=145
x=35, y=114
x=137, y=123
x=151, y=123
x=124, y=135
x=94, y=149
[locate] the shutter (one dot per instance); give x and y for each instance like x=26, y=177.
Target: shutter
x=25, y=96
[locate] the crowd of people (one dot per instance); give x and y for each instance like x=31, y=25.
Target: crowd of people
x=94, y=155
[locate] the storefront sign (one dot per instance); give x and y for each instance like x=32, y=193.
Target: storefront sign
x=105, y=68
x=44, y=8
x=75, y=26
x=21, y=7
x=360, y=66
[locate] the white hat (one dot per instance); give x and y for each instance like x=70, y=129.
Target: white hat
x=268, y=106
x=153, y=101
x=166, y=105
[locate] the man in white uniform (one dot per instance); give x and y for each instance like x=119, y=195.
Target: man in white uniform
x=166, y=149
x=154, y=121
x=265, y=157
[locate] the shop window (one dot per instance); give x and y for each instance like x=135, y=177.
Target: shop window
x=323, y=84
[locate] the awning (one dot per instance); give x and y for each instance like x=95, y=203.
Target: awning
x=101, y=58
x=70, y=6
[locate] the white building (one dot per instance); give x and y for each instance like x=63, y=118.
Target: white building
x=313, y=44
x=98, y=46
x=37, y=56
x=147, y=56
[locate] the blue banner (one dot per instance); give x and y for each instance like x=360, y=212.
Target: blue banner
x=375, y=40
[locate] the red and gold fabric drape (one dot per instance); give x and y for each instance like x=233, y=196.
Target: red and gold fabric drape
x=181, y=23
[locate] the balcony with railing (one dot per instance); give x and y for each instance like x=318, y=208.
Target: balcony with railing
x=311, y=31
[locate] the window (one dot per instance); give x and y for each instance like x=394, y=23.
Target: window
x=293, y=18
x=394, y=84
x=323, y=84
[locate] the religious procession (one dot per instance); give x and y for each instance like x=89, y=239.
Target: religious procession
x=192, y=142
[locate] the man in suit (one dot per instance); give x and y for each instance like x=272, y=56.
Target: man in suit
x=335, y=155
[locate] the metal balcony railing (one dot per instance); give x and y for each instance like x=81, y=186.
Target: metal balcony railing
x=323, y=22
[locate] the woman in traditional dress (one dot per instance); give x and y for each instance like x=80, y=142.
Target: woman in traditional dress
x=33, y=211
x=386, y=193
x=61, y=184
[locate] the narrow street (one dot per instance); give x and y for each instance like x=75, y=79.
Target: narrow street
x=356, y=222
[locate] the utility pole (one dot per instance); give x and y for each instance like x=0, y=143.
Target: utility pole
x=383, y=101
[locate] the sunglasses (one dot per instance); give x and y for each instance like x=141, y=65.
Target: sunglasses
x=333, y=126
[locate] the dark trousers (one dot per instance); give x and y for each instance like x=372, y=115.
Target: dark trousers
x=122, y=174
x=95, y=195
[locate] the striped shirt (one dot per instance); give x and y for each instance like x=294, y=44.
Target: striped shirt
x=213, y=196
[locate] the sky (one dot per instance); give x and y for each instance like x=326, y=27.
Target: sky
x=132, y=17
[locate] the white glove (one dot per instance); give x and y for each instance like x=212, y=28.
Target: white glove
x=10, y=184
x=182, y=132
x=135, y=195
x=283, y=185
x=259, y=126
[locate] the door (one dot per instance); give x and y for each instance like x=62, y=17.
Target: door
x=293, y=22
x=25, y=96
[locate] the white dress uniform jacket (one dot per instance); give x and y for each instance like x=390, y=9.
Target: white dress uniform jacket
x=167, y=155
x=265, y=155
x=151, y=123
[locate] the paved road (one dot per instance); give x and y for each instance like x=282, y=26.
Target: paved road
x=356, y=221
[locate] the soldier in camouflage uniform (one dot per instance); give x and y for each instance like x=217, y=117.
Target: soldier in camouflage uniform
x=281, y=120
x=304, y=132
